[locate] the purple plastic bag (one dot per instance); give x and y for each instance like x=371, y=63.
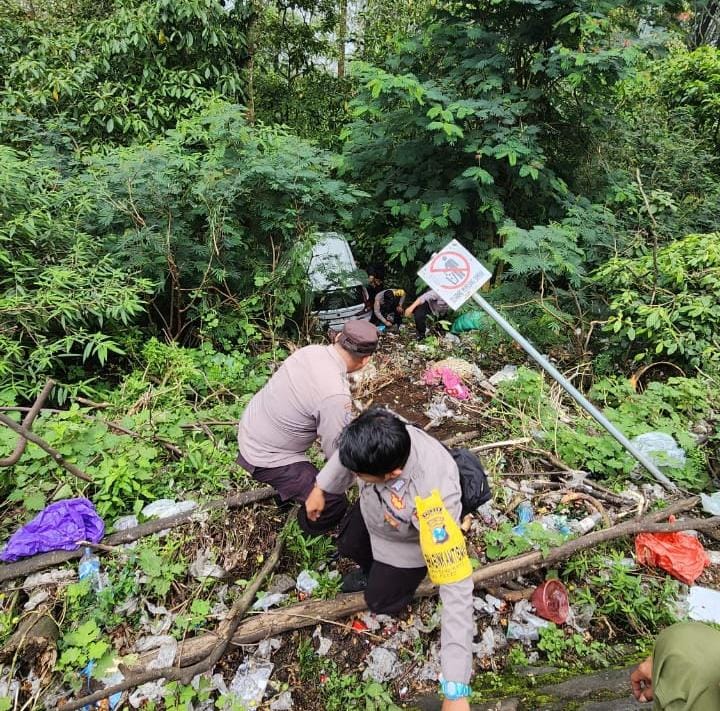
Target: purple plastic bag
x=57, y=527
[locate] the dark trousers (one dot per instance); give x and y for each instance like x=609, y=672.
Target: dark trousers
x=420, y=315
x=389, y=588
x=294, y=482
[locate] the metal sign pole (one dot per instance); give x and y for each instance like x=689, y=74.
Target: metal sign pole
x=574, y=393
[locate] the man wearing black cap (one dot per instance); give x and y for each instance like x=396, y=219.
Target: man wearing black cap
x=306, y=398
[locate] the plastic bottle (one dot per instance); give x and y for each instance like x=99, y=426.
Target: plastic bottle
x=586, y=524
x=89, y=568
x=525, y=514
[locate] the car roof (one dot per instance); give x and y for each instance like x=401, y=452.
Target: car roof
x=332, y=265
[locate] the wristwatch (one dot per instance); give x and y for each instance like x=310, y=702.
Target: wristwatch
x=454, y=690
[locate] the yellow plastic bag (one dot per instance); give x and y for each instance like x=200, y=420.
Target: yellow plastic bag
x=441, y=541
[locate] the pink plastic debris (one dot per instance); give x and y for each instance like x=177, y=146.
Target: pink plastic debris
x=449, y=379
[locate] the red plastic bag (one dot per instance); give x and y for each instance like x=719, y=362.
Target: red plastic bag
x=680, y=554
x=550, y=601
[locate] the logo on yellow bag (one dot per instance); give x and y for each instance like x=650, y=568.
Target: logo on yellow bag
x=441, y=541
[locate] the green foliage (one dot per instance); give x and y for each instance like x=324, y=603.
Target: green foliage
x=63, y=302
x=80, y=646
x=308, y=552
x=128, y=74
x=219, y=216
x=566, y=649
x=503, y=542
x=692, y=79
x=339, y=690
x=668, y=303
x=454, y=137
x=622, y=593
x=161, y=566
x=671, y=407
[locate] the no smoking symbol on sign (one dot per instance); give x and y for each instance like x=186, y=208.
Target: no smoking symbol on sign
x=453, y=267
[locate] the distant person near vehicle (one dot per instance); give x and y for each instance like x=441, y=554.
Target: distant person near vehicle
x=426, y=304
x=404, y=525
x=683, y=673
x=388, y=307
x=308, y=397
x=376, y=282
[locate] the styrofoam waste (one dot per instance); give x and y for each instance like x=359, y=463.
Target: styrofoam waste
x=525, y=626
x=324, y=643
x=711, y=504
x=703, y=604
x=250, y=681
x=203, y=567
x=382, y=665
x=269, y=600
x=162, y=508
x=661, y=448
x=509, y=372
x=306, y=583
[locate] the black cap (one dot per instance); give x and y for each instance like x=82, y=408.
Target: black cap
x=358, y=337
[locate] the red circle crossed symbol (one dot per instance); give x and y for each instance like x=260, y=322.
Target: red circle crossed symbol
x=455, y=267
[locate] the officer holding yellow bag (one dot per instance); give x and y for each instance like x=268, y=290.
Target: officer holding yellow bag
x=404, y=526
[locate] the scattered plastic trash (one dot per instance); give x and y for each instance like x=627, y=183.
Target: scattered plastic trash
x=267, y=647
x=556, y=522
x=166, y=654
x=89, y=569
x=36, y=598
x=489, y=604
x=703, y=604
x=284, y=702
x=438, y=411
x=508, y=372
x=58, y=527
x=161, y=621
x=679, y=554
x=359, y=626
x=470, y=321
x=713, y=557
x=269, y=600
x=114, y=700
x=487, y=645
x=152, y=691
x=550, y=601
x=50, y=577
x=524, y=626
x=584, y=525
x=324, y=643
x=579, y=618
x=381, y=328
x=449, y=379
x=451, y=339
x=525, y=514
x=162, y=508
x=306, y=583
x=203, y=567
x=250, y=682
x=711, y=504
x=125, y=522
x=281, y=584
x=382, y=665
x=127, y=607
x=661, y=448
x=464, y=368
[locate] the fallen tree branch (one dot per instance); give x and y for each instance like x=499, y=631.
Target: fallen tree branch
x=48, y=560
x=30, y=436
x=27, y=422
x=504, y=443
x=304, y=614
x=461, y=437
x=185, y=674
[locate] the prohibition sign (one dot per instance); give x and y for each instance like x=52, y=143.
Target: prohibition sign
x=454, y=266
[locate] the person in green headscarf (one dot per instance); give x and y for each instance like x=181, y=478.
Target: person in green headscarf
x=683, y=673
